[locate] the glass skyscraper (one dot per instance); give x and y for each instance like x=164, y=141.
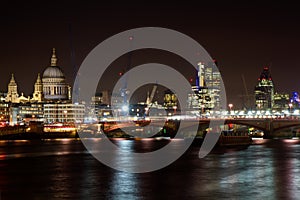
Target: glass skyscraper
x=264, y=90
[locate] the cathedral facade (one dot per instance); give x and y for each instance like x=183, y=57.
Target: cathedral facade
x=49, y=103
x=51, y=87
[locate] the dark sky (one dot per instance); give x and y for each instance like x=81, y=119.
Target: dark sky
x=242, y=37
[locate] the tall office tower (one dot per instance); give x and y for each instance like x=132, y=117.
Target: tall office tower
x=281, y=101
x=213, y=84
x=207, y=90
x=264, y=90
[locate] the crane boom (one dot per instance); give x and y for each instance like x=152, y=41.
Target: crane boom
x=150, y=99
x=245, y=86
x=152, y=93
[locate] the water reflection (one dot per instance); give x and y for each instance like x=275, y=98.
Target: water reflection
x=125, y=186
x=64, y=169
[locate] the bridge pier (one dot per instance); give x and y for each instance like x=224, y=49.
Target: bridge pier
x=267, y=134
x=269, y=128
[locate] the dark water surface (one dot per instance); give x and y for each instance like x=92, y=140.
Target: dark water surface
x=63, y=169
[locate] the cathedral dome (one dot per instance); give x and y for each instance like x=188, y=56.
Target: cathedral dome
x=53, y=81
x=53, y=72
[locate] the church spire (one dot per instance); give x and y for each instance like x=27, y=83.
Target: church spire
x=12, y=80
x=38, y=80
x=38, y=90
x=53, y=58
x=12, y=91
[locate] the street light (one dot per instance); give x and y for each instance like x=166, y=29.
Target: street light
x=202, y=108
x=174, y=107
x=230, y=106
x=290, y=106
x=259, y=105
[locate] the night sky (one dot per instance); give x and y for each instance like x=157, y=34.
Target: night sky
x=242, y=37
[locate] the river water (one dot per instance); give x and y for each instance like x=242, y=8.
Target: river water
x=63, y=169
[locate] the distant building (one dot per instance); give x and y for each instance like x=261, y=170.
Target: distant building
x=14, y=117
x=31, y=112
x=2, y=96
x=281, y=101
x=295, y=100
x=199, y=99
x=50, y=101
x=206, y=92
x=100, y=107
x=170, y=100
x=64, y=112
x=4, y=111
x=213, y=84
x=101, y=98
x=264, y=90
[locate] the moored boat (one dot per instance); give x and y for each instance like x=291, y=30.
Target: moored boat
x=229, y=138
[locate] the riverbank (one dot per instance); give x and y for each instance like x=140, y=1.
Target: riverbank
x=33, y=136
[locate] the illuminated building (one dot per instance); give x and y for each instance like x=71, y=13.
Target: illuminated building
x=4, y=111
x=206, y=92
x=54, y=85
x=295, y=100
x=31, y=112
x=51, y=95
x=38, y=94
x=64, y=112
x=104, y=112
x=100, y=106
x=170, y=99
x=2, y=96
x=281, y=101
x=264, y=90
x=199, y=99
x=101, y=98
x=12, y=91
x=213, y=84
x=14, y=117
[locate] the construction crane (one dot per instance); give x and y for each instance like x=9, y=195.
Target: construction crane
x=246, y=97
x=124, y=91
x=150, y=99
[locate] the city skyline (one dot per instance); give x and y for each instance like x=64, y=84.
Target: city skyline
x=243, y=38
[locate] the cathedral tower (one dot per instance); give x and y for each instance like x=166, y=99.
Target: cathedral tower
x=12, y=92
x=38, y=90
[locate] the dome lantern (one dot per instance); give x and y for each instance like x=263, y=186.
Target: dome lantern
x=53, y=58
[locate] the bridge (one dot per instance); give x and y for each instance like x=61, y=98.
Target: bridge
x=267, y=125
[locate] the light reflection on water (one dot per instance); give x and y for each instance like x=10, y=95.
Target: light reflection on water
x=125, y=186
x=58, y=169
